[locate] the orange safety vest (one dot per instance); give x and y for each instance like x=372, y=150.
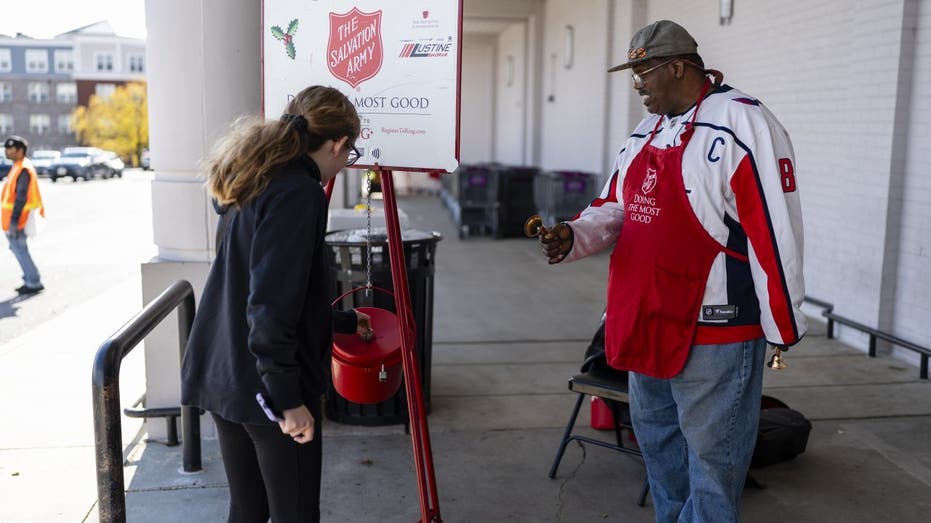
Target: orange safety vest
x=8, y=196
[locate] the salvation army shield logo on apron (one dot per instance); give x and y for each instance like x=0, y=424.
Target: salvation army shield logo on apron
x=355, y=51
x=649, y=181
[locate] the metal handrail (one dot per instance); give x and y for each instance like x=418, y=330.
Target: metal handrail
x=874, y=334
x=108, y=440
x=171, y=415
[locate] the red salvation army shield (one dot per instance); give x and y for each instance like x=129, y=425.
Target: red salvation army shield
x=649, y=182
x=354, y=52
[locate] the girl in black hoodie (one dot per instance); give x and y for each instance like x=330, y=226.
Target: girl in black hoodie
x=264, y=323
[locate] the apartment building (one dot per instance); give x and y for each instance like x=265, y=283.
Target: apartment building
x=43, y=80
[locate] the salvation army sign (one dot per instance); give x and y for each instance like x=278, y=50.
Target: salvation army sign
x=354, y=52
x=398, y=64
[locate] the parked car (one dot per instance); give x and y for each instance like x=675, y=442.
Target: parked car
x=42, y=160
x=80, y=162
x=145, y=160
x=115, y=163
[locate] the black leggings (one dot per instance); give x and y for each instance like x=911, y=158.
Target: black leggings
x=269, y=474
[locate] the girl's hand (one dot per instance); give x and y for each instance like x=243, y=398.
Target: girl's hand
x=364, y=325
x=299, y=424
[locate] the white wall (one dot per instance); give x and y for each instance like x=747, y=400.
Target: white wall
x=911, y=304
x=511, y=97
x=575, y=99
x=476, y=122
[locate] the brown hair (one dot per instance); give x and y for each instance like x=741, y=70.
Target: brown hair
x=238, y=166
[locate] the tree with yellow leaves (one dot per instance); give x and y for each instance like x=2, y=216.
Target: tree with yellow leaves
x=118, y=123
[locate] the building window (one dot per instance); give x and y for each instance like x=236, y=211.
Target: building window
x=104, y=90
x=38, y=124
x=136, y=63
x=38, y=92
x=66, y=93
x=6, y=61
x=64, y=61
x=64, y=124
x=36, y=61
x=6, y=92
x=6, y=124
x=104, y=62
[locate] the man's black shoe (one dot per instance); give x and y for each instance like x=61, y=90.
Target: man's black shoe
x=24, y=290
x=21, y=289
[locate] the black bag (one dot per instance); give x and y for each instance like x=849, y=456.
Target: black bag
x=783, y=434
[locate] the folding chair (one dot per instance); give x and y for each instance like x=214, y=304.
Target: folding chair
x=599, y=380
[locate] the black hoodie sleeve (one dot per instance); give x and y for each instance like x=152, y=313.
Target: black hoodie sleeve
x=345, y=322
x=22, y=192
x=286, y=232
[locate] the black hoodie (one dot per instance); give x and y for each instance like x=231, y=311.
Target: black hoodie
x=264, y=322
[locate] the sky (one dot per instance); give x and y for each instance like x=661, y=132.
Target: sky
x=47, y=18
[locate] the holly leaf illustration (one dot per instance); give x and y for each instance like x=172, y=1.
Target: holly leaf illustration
x=292, y=27
x=277, y=32
x=289, y=48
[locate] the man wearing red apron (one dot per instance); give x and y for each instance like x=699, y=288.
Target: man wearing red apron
x=703, y=211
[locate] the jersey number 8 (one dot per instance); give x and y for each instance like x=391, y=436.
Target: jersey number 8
x=788, y=175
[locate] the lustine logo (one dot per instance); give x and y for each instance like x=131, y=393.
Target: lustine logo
x=354, y=51
x=412, y=50
x=649, y=183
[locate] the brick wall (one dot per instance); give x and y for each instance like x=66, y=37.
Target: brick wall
x=911, y=304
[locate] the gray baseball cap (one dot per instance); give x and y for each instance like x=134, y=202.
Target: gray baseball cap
x=659, y=39
x=16, y=141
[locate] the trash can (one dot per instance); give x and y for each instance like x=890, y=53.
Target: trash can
x=515, y=200
x=476, y=189
x=347, y=255
x=560, y=195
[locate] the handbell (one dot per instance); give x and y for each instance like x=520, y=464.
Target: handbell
x=534, y=226
x=777, y=362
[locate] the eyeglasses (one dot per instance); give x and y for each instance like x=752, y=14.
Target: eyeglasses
x=354, y=155
x=638, y=77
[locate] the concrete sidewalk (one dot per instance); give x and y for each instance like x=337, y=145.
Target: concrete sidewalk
x=508, y=331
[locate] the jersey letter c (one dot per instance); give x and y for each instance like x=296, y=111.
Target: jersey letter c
x=714, y=144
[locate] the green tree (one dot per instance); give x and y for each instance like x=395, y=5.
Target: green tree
x=118, y=123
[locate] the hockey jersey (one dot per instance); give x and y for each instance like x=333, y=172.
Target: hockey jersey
x=739, y=176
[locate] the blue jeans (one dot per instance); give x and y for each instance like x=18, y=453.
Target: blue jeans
x=18, y=245
x=697, y=431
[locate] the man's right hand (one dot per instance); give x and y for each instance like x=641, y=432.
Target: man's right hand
x=556, y=242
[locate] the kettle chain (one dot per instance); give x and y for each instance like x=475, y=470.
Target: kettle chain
x=368, y=237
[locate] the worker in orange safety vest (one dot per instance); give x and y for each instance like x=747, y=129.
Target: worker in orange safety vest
x=19, y=198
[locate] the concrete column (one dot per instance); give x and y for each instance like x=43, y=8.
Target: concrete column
x=204, y=70
x=624, y=106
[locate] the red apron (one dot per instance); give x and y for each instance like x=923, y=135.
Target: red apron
x=659, y=266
